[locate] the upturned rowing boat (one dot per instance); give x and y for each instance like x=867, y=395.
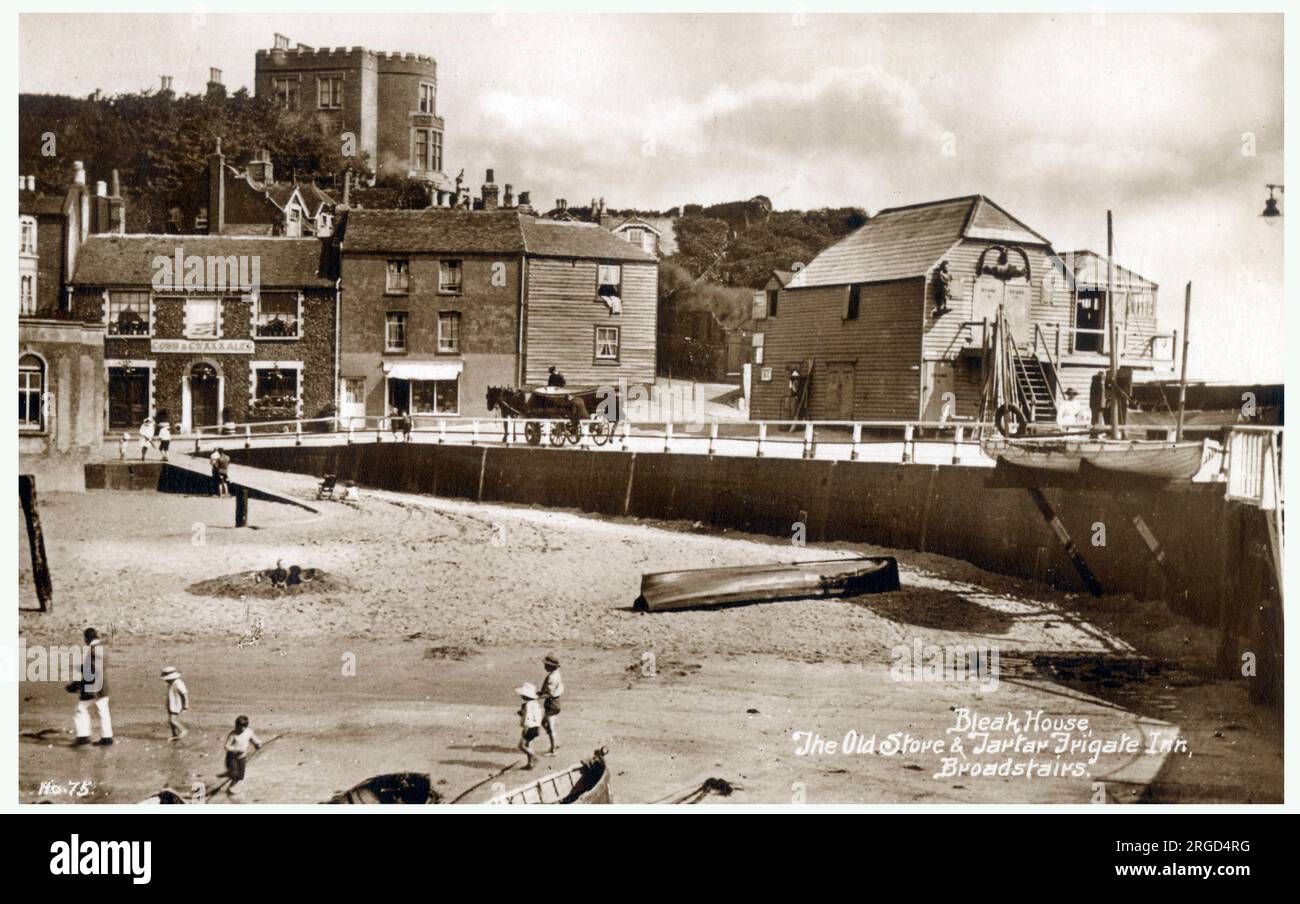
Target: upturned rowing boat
x=706, y=587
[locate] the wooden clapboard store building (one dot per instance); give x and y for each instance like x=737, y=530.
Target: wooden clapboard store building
x=888, y=324
x=211, y=330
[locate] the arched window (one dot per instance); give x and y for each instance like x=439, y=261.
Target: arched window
x=27, y=235
x=31, y=387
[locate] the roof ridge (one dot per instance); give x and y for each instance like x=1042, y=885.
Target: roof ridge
x=920, y=204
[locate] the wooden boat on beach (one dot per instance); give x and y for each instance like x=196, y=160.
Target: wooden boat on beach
x=1151, y=459
x=707, y=587
x=586, y=782
x=393, y=788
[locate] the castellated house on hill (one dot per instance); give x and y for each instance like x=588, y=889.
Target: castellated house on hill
x=386, y=101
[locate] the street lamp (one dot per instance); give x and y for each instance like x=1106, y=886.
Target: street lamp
x=1270, y=206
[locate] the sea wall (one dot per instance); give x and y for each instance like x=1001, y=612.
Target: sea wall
x=1216, y=569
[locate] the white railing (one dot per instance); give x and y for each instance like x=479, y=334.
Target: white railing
x=929, y=442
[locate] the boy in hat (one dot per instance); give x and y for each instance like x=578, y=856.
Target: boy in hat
x=551, y=689
x=237, y=744
x=178, y=700
x=530, y=720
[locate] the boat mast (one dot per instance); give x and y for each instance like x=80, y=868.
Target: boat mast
x=1113, y=333
x=1182, y=380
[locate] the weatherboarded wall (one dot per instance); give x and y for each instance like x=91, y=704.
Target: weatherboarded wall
x=562, y=314
x=882, y=349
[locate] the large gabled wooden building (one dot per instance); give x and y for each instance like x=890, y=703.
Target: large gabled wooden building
x=890, y=322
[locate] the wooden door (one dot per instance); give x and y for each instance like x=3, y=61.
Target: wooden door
x=205, y=400
x=128, y=397
x=938, y=395
x=839, y=392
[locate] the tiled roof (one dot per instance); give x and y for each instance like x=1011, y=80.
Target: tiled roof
x=783, y=277
x=904, y=242
x=433, y=231
x=1089, y=269
x=436, y=231
x=551, y=238
x=35, y=204
x=127, y=260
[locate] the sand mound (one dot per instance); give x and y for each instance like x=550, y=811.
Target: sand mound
x=257, y=585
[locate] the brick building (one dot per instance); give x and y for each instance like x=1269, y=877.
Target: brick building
x=386, y=101
x=209, y=330
x=60, y=356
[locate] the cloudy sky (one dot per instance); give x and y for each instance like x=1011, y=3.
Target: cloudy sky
x=1174, y=122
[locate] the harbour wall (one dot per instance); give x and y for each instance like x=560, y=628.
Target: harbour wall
x=1217, y=565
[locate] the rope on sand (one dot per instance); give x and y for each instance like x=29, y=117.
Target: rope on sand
x=458, y=798
x=693, y=794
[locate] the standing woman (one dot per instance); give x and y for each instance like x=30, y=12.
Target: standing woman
x=146, y=437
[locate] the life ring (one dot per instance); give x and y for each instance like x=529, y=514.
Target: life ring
x=1010, y=412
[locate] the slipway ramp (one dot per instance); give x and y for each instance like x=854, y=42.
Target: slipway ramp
x=195, y=472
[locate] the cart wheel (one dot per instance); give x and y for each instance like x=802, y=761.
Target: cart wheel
x=574, y=433
x=533, y=433
x=601, y=431
x=559, y=432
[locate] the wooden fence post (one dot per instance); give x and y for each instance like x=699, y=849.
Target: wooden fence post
x=36, y=540
x=241, y=506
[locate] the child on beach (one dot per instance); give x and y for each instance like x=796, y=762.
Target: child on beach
x=530, y=720
x=552, y=688
x=237, y=743
x=178, y=700
x=146, y=437
x=164, y=438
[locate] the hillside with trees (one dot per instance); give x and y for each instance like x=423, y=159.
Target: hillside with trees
x=160, y=143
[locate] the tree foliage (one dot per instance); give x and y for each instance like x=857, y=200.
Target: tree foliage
x=160, y=143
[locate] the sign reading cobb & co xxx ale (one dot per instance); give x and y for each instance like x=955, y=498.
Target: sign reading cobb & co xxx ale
x=199, y=346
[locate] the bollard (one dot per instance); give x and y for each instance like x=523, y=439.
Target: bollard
x=956, y=444
x=713, y=436
x=248, y=437
x=808, y=447
x=907, y=444
x=442, y=431
x=241, y=506
x=762, y=435
x=297, y=433
x=349, y=433
x=627, y=431
x=857, y=438
x=473, y=438
x=668, y=434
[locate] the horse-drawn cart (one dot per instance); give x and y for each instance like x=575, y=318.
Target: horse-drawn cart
x=566, y=410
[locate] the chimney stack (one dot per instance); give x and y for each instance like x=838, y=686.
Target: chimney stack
x=78, y=173
x=508, y=199
x=281, y=42
x=216, y=191
x=116, y=206
x=260, y=169
x=166, y=87
x=526, y=203
x=490, y=192
x=101, y=189
x=216, y=89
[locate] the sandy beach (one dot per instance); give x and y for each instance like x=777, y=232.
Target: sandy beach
x=403, y=656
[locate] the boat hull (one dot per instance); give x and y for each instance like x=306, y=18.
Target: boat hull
x=1154, y=460
x=582, y=783
x=711, y=587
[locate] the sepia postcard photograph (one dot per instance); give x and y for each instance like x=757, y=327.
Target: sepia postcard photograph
x=790, y=407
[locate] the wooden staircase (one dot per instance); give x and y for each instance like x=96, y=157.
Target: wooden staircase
x=1035, y=387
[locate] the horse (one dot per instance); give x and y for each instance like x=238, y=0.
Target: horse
x=510, y=401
